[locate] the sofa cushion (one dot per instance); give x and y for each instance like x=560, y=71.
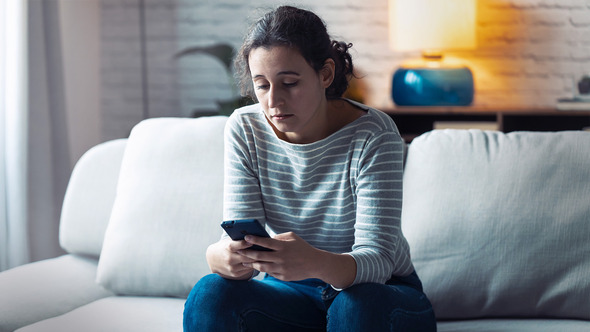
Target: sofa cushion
x=119, y=313
x=514, y=325
x=48, y=288
x=499, y=224
x=89, y=199
x=168, y=207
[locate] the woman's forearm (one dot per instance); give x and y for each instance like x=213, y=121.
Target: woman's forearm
x=338, y=270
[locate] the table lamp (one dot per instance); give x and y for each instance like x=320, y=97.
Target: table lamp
x=432, y=26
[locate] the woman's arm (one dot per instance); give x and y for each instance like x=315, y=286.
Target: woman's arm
x=380, y=249
x=242, y=199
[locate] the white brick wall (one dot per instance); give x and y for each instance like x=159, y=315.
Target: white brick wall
x=528, y=52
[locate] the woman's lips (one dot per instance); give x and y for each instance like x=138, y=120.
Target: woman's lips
x=280, y=117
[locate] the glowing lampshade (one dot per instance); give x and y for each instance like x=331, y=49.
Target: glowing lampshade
x=432, y=26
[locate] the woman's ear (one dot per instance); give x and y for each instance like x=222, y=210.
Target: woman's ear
x=327, y=72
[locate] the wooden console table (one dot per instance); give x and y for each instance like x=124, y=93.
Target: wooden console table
x=413, y=121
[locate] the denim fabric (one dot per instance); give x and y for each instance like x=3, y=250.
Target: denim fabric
x=218, y=304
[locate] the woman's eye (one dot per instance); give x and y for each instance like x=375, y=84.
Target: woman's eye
x=267, y=86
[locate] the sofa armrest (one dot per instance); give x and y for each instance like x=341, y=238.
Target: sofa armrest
x=89, y=198
x=45, y=289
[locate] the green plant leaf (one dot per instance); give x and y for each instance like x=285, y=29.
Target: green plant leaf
x=222, y=52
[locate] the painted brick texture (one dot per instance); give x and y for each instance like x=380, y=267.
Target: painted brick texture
x=528, y=54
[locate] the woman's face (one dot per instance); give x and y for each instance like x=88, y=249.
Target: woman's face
x=291, y=92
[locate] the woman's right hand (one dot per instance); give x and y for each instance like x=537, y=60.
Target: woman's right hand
x=223, y=259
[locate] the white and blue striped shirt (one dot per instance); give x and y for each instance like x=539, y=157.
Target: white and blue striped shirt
x=342, y=194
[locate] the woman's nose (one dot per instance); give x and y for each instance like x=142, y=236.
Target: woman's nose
x=274, y=97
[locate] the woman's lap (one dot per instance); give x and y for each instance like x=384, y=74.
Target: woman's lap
x=309, y=305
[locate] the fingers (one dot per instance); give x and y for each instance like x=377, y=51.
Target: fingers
x=265, y=242
x=235, y=246
x=272, y=269
x=286, y=262
x=266, y=267
x=237, y=274
x=224, y=260
x=275, y=243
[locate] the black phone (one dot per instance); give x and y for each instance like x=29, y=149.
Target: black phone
x=238, y=229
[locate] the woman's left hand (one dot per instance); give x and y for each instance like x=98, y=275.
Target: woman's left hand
x=292, y=257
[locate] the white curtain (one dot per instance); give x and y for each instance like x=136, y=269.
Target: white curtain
x=48, y=144
x=35, y=157
x=13, y=134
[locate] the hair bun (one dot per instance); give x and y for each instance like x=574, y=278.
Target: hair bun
x=341, y=46
x=344, y=68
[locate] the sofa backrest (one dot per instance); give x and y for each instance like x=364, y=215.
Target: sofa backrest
x=499, y=224
x=89, y=198
x=168, y=207
x=148, y=206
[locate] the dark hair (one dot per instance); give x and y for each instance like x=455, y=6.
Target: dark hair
x=303, y=31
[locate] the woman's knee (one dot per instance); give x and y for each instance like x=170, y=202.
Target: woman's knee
x=376, y=307
x=211, y=296
x=210, y=291
x=357, y=299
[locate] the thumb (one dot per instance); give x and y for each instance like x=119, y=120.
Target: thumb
x=260, y=241
x=288, y=236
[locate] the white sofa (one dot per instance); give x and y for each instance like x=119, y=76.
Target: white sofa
x=499, y=228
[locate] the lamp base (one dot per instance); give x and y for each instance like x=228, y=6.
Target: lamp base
x=432, y=86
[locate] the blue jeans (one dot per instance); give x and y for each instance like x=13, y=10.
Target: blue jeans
x=218, y=304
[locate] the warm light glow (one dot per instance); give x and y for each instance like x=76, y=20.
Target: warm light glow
x=445, y=62
x=432, y=25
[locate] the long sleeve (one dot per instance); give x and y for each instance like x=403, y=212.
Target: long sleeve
x=380, y=250
x=242, y=197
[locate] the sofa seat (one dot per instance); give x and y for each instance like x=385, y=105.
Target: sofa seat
x=514, y=325
x=118, y=313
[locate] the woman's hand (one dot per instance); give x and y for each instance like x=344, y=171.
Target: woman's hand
x=223, y=259
x=293, y=258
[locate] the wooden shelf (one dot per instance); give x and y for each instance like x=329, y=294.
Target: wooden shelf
x=413, y=121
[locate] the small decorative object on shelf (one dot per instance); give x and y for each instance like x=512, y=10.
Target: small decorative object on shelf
x=584, y=86
x=433, y=80
x=573, y=104
x=581, y=98
x=481, y=125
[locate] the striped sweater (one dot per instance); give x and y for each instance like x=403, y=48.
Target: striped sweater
x=342, y=194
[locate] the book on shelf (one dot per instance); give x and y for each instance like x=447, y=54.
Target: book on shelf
x=482, y=125
x=573, y=104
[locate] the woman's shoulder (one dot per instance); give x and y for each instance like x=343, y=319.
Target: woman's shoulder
x=245, y=113
x=249, y=122
x=247, y=116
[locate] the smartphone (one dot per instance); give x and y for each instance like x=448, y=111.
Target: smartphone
x=237, y=229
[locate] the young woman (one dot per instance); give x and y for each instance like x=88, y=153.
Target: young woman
x=325, y=175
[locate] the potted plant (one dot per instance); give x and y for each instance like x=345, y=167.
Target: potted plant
x=223, y=53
